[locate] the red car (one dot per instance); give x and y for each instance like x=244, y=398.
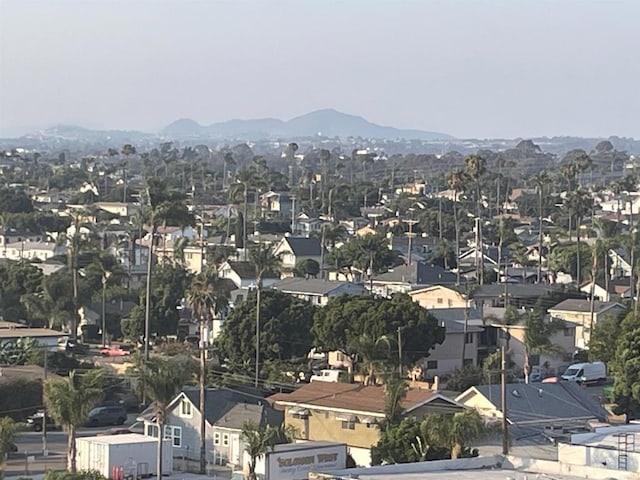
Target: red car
x=115, y=351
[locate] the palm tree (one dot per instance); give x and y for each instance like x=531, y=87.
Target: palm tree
x=455, y=179
x=69, y=401
x=207, y=299
x=579, y=203
x=373, y=354
x=474, y=170
x=264, y=261
x=540, y=180
x=258, y=440
x=454, y=432
x=160, y=380
x=537, y=339
x=245, y=179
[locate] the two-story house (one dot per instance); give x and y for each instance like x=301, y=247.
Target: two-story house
x=293, y=250
x=439, y=296
x=578, y=313
x=405, y=278
x=226, y=412
x=276, y=204
x=351, y=413
x=317, y=291
x=243, y=274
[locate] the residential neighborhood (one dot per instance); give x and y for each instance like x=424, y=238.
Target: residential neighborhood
x=319, y=240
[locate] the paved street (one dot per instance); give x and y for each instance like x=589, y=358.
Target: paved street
x=30, y=458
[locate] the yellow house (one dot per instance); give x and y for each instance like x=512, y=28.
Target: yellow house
x=439, y=296
x=351, y=413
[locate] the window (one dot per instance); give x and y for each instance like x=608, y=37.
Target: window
x=225, y=439
x=467, y=362
x=468, y=338
x=174, y=434
x=216, y=438
x=534, y=360
x=185, y=408
x=348, y=425
x=432, y=364
x=439, y=301
x=568, y=332
x=152, y=430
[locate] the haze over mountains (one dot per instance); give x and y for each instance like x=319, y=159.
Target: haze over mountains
x=327, y=122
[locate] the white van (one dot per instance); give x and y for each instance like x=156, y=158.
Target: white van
x=328, y=375
x=594, y=372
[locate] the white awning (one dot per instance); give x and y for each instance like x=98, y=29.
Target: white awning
x=299, y=412
x=345, y=417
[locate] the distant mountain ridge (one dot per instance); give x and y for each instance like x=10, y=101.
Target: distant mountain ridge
x=327, y=122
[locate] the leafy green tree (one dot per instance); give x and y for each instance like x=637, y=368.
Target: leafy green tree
x=307, y=268
x=366, y=252
x=16, y=280
x=168, y=288
x=160, y=380
x=285, y=330
x=69, y=401
x=601, y=345
x=79, y=475
x=626, y=369
x=7, y=438
x=337, y=325
x=14, y=200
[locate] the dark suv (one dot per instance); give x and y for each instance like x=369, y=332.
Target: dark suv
x=102, y=416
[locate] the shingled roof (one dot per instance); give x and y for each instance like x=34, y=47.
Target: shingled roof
x=303, y=246
x=350, y=396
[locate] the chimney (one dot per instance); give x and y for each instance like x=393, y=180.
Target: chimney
x=436, y=383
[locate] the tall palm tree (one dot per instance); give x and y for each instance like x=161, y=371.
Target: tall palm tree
x=160, y=380
x=207, y=299
x=579, y=203
x=69, y=401
x=455, y=179
x=264, y=262
x=475, y=167
x=540, y=180
x=453, y=432
x=244, y=181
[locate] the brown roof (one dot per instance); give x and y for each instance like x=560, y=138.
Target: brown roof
x=348, y=396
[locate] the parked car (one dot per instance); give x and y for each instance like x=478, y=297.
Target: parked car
x=116, y=351
x=103, y=416
x=72, y=346
x=34, y=422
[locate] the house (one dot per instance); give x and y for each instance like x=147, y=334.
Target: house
x=617, y=288
x=243, y=274
x=305, y=225
x=578, y=312
x=446, y=357
x=439, y=296
x=489, y=256
x=119, y=209
x=536, y=409
x=409, y=277
x=512, y=337
x=226, y=412
x=276, y=204
x=296, y=249
x=351, y=413
x=620, y=263
x=317, y=291
x=32, y=250
x=519, y=295
x=11, y=332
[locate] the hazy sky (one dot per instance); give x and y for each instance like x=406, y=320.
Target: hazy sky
x=468, y=68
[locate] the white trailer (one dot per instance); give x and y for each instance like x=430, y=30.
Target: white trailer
x=123, y=456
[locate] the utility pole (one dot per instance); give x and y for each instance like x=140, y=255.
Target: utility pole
x=503, y=394
x=293, y=215
x=411, y=222
x=45, y=449
x=400, y=366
